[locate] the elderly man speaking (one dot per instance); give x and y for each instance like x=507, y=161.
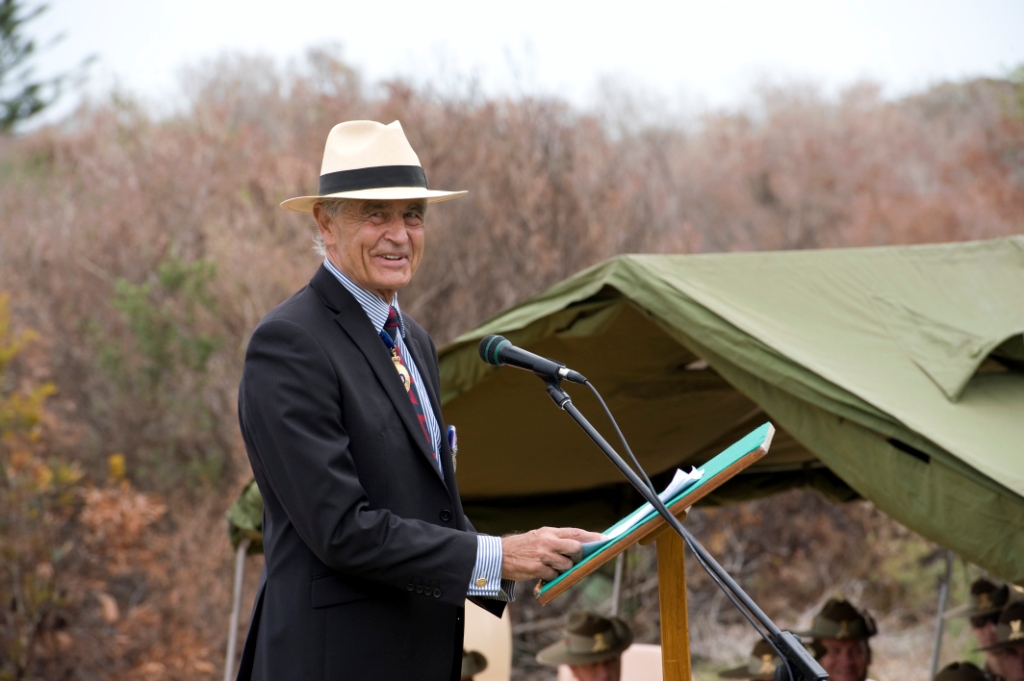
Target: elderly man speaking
x=369, y=557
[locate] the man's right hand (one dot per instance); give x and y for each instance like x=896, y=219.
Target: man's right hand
x=543, y=553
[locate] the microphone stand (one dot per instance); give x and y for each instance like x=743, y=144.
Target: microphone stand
x=792, y=652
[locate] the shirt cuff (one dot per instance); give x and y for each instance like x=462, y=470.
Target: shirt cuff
x=486, y=581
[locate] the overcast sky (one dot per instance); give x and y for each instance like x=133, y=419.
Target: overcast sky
x=708, y=53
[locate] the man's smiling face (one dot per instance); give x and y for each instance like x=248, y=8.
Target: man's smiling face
x=377, y=244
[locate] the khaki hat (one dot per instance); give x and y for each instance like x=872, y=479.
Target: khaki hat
x=589, y=637
x=369, y=160
x=961, y=671
x=987, y=598
x=473, y=662
x=839, y=619
x=1010, y=628
x=762, y=664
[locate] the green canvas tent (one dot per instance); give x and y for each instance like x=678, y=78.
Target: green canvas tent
x=895, y=374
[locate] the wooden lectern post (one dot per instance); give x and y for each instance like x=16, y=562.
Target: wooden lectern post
x=675, y=622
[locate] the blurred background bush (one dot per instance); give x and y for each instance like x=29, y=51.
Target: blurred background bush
x=142, y=249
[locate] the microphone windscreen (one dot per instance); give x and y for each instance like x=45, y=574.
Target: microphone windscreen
x=489, y=348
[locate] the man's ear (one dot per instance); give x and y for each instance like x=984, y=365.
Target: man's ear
x=323, y=223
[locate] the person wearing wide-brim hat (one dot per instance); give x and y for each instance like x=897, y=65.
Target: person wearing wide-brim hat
x=369, y=557
x=986, y=601
x=473, y=662
x=1008, y=650
x=761, y=666
x=366, y=160
x=962, y=671
x=840, y=633
x=591, y=645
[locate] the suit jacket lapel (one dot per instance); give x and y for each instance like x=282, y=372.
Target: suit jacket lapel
x=356, y=324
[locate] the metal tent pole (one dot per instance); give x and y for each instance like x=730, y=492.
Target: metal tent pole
x=617, y=584
x=236, y=604
x=940, y=621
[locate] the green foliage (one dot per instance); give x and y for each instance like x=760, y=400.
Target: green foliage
x=162, y=317
x=21, y=96
x=157, y=362
x=1016, y=76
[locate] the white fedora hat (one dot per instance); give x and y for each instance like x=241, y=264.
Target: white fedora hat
x=369, y=160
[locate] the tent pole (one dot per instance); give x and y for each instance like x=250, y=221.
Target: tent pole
x=940, y=621
x=617, y=584
x=236, y=604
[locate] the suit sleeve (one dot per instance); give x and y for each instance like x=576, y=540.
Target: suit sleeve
x=290, y=410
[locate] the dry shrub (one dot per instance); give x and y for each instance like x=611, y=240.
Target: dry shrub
x=147, y=248
x=133, y=592
x=94, y=586
x=114, y=519
x=144, y=249
x=36, y=507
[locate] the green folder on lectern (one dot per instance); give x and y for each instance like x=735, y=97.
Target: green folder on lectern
x=712, y=475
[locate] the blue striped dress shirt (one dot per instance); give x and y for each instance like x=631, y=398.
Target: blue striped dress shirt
x=487, y=570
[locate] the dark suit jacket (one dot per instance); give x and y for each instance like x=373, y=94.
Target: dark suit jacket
x=368, y=552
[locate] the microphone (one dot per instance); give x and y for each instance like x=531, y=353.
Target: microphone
x=498, y=351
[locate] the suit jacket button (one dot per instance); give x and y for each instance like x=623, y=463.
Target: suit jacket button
x=410, y=587
x=437, y=593
x=419, y=589
x=446, y=515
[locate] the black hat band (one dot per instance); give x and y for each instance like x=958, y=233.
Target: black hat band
x=372, y=178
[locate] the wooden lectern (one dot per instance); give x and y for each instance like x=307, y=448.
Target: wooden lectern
x=675, y=639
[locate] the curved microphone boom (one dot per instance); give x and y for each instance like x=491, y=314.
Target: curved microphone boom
x=498, y=351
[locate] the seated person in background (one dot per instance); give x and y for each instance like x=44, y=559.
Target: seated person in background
x=473, y=663
x=961, y=671
x=592, y=646
x=762, y=664
x=1008, y=650
x=986, y=602
x=840, y=634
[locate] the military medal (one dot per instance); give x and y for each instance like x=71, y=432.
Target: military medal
x=403, y=373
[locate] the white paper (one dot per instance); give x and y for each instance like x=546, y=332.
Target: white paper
x=680, y=481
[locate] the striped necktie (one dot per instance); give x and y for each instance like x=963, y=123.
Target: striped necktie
x=391, y=340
